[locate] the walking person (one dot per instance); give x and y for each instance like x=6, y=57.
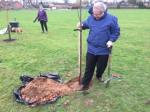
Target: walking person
x=103, y=32
x=42, y=18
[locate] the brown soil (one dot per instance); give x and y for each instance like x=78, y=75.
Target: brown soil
x=41, y=90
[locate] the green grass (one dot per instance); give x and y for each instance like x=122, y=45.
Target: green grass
x=57, y=51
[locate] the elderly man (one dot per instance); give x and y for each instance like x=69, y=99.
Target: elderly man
x=90, y=11
x=103, y=31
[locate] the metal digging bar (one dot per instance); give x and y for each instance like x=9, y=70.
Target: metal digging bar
x=107, y=82
x=80, y=44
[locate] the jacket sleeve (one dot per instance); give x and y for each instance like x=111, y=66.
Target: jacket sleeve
x=37, y=17
x=46, y=15
x=114, y=30
x=85, y=24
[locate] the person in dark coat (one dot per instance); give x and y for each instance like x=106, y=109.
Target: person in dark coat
x=42, y=18
x=103, y=32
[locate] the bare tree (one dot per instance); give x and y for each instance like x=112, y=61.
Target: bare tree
x=132, y=1
x=66, y=1
x=77, y=1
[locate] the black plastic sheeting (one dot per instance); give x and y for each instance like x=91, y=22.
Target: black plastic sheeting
x=26, y=79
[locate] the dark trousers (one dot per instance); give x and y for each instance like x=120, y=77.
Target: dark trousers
x=91, y=61
x=43, y=25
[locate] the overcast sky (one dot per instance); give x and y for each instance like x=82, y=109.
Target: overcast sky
x=63, y=0
x=60, y=1
x=75, y=0
x=89, y=0
x=72, y=1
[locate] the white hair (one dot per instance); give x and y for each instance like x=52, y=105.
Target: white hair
x=101, y=6
x=95, y=1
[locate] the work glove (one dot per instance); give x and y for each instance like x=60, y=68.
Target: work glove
x=78, y=25
x=35, y=19
x=109, y=44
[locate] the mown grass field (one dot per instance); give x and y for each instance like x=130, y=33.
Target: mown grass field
x=56, y=51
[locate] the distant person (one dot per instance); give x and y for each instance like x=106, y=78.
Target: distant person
x=103, y=32
x=42, y=18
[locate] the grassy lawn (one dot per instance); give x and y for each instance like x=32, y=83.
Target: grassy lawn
x=57, y=51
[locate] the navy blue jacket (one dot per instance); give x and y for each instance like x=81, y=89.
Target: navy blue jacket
x=100, y=32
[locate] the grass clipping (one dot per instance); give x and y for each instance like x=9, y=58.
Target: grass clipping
x=41, y=90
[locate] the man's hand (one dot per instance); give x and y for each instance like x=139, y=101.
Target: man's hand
x=78, y=25
x=109, y=44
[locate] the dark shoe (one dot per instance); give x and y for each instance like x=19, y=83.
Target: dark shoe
x=101, y=80
x=83, y=88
